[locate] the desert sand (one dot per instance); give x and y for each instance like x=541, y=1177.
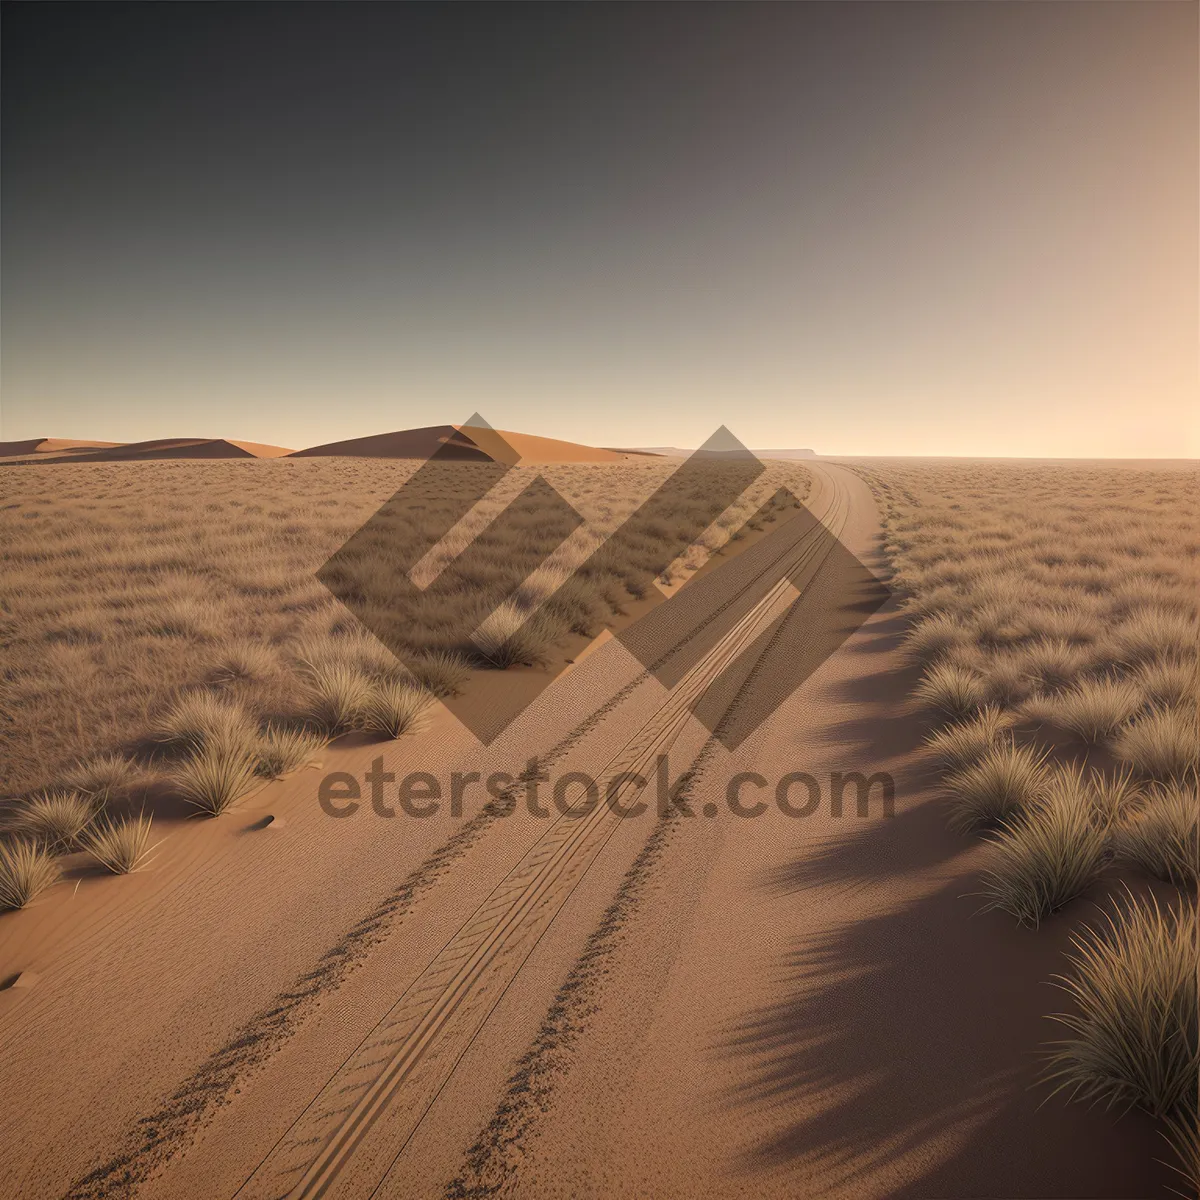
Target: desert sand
x=571, y=1006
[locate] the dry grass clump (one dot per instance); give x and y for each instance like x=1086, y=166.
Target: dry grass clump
x=244, y=661
x=1006, y=781
x=104, y=778
x=394, y=708
x=1043, y=861
x=27, y=869
x=1169, y=682
x=282, y=751
x=1151, y=634
x=120, y=846
x=931, y=637
x=1164, y=840
x=338, y=696
x=1160, y=744
x=216, y=777
x=961, y=744
x=441, y=671
x=1092, y=709
x=55, y=819
x=1135, y=1022
x=953, y=690
x=510, y=637
x=206, y=719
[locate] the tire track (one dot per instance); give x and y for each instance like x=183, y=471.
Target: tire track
x=405, y=1059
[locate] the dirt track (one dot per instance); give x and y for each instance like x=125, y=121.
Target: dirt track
x=699, y=1005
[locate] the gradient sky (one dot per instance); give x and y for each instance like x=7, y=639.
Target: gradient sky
x=903, y=228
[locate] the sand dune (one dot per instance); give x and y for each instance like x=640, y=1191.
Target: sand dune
x=51, y=446
x=78, y=450
x=462, y=442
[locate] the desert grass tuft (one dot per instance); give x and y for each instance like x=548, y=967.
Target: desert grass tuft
x=441, y=671
x=952, y=690
x=1040, y=863
x=338, y=695
x=1005, y=781
x=1164, y=839
x=27, y=869
x=120, y=846
x=215, y=778
x=202, y=720
x=394, y=708
x=55, y=819
x=931, y=637
x=104, y=778
x=509, y=638
x=244, y=661
x=1161, y=744
x=1092, y=709
x=281, y=751
x=964, y=743
x=1135, y=1020
x=1153, y=633
x=1169, y=681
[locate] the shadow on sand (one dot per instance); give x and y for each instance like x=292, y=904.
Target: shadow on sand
x=901, y=1055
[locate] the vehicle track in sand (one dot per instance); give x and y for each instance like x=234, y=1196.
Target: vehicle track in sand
x=371, y=1106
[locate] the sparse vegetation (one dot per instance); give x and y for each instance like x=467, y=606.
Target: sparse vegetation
x=203, y=576
x=216, y=777
x=27, y=869
x=395, y=708
x=1135, y=1022
x=1046, y=859
x=120, y=846
x=953, y=690
x=1070, y=594
x=964, y=743
x=282, y=751
x=1164, y=839
x=1007, y=780
x=55, y=819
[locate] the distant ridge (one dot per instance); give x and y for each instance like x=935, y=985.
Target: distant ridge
x=678, y=452
x=466, y=442
x=76, y=450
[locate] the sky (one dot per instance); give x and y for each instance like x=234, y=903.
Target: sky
x=896, y=228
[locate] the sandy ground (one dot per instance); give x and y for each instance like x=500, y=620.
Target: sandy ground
x=546, y=1006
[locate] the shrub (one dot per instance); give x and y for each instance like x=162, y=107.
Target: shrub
x=1042, y=862
x=1161, y=744
x=508, y=638
x=281, y=751
x=1164, y=839
x=441, y=671
x=216, y=778
x=120, y=846
x=55, y=819
x=1154, y=633
x=953, y=690
x=395, y=708
x=27, y=869
x=1169, y=681
x=338, y=696
x=961, y=744
x=1005, y=781
x=1093, y=709
x=1135, y=1020
x=244, y=661
x=933, y=636
x=103, y=778
x=205, y=719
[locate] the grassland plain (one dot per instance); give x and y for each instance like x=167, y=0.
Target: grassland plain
x=1054, y=610
x=165, y=630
